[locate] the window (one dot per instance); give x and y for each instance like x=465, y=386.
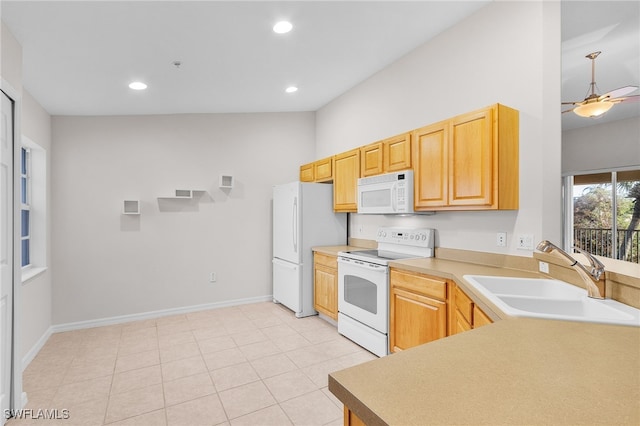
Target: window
x=25, y=205
x=33, y=208
x=603, y=213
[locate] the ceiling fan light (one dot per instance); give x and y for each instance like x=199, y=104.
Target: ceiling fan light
x=594, y=109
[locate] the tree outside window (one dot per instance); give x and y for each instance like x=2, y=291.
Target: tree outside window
x=606, y=214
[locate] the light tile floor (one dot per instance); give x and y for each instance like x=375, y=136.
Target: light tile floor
x=246, y=365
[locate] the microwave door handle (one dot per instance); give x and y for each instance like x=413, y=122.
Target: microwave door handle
x=394, y=197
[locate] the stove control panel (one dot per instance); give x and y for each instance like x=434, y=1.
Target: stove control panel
x=406, y=236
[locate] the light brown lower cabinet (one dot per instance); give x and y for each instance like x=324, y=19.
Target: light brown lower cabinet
x=467, y=314
x=325, y=284
x=350, y=419
x=417, y=309
x=479, y=317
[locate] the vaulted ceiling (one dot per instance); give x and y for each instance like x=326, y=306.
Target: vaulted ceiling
x=79, y=56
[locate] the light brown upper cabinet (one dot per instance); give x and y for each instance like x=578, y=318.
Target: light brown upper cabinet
x=430, y=158
x=345, y=181
x=371, y=159
x=469, y=162
x=397, y=153
x=318, y=171
x=306, y=173
x=390, y=155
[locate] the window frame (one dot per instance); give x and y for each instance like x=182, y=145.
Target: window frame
x=568, y=182
x=25, y=204
x=37, y=202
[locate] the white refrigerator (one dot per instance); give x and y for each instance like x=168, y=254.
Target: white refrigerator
x=303, y=217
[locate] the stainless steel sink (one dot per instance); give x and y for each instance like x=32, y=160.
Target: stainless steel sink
x=551, y=299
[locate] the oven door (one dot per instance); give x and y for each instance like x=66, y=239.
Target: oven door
x=363, y=292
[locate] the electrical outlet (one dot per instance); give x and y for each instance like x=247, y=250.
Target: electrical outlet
x=213, y=277
x=525, y=242
x=501, y=239
x=543, y=267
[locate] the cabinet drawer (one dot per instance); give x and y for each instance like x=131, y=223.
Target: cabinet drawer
x=325, y=260
x=464, y=305
x=423, y=284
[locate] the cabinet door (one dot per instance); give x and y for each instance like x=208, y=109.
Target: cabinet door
x=371, y=159
x=430, y=162
x=415, y=319
x=345, y=181
x=323, y=170
x=463, y=304
x=325, y=290
x=480, y=318
x=460, y=324
x=306, y=173
x=397, y=153
x=471, y=160
x=350, y=418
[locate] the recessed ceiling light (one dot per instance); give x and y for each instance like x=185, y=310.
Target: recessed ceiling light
x=137, y=85
x=291, y=89
x=282, y=27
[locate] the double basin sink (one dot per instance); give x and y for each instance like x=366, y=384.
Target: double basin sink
x=551, y=299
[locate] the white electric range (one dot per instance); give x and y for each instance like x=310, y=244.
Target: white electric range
x=363, y=285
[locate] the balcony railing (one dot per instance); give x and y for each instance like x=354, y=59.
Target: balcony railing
x=598, y=241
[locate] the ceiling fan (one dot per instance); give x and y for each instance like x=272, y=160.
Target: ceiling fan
x=594, y=105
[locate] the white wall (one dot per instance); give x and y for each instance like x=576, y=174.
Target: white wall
x=508, y=52
x=109, y=265
x=36, y=292
x=603, y=146
x=32, y=298
x=10, y=59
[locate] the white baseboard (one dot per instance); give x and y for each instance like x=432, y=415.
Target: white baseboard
x=156, y=314
x=29, y=356
x=26, y=360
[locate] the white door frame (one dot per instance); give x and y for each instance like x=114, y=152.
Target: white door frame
x=17, y=398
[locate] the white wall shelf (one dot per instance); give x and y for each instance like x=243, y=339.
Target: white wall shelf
x=226, y=182
x=184, y=194
x=131, y=207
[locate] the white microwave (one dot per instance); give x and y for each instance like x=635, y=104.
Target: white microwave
x=390, y=193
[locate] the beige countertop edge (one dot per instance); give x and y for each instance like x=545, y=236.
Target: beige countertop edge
x=551, y=372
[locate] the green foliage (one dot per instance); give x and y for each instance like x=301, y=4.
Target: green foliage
x=593, y=208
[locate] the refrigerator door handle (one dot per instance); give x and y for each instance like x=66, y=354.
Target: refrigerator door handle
x=295, y=224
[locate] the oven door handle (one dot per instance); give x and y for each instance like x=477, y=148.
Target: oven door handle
x=360, y=264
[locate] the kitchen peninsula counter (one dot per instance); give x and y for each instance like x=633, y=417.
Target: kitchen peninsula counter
x=519, y=371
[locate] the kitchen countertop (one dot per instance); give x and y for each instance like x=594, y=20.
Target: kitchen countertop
x=520, y=371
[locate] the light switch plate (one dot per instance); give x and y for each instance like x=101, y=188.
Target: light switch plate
x=525, y=242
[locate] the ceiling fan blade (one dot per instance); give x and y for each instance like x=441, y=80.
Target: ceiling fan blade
x=634, y=98
x=573, y=103
x=568, y=110
x=619, y=92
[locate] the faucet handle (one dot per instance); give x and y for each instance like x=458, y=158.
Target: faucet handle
x=597, y=268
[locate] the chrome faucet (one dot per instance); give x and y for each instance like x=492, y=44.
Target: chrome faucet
x=590, y=277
